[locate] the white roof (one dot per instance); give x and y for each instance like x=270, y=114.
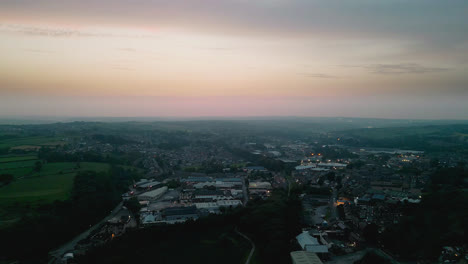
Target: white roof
x=316, y=248
x=332, y=164
x=306, y=239
x=154, y=193
x=260, y=185
x=149, y=184
x=228, y=202
x=206, y=205
x=304, y=167
x=304, y=257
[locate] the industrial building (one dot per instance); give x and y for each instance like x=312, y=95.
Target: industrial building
x=304, y=257
x=180, y=214
x=152, y=195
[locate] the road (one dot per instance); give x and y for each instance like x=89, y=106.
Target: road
x=253, y=246
x=58, y=253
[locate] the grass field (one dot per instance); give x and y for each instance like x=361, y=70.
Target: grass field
x=53, y=182
x=30, y=141
x=4, y=159
x=30, y=189
x=17, y=164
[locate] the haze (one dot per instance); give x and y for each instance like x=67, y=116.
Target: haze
x=390, y=59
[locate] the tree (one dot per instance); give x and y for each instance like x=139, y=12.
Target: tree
x=371, y=233
x=330, y=176
x=371, y=258
x=172, y=184
x=133, y=205
x=341, y=212
x=338, y=179
x=320, y=181
x=38, y=166
x=6, y=178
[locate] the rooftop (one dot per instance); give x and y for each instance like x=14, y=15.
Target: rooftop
x=304, y=257
x=180, y=210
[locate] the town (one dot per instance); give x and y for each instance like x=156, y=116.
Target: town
x=349, y=195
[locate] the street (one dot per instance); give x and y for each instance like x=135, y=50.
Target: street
x=69, y=246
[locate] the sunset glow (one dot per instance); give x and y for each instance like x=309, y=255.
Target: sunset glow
x=234, y=58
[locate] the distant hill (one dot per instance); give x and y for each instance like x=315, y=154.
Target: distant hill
x=428, y=137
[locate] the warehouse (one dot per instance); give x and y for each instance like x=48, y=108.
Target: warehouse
x=152, y=195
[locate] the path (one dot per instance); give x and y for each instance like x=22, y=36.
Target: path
x=253, y=246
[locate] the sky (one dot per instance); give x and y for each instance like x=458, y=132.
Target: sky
x=362, y=58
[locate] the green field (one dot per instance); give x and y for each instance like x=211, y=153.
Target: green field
x=53, y=182
x=17, y=164
x=30, y=141
x=9, y=158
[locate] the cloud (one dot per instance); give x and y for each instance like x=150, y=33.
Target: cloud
x=319, y=75
x=122, y=68
x=38, y=51
x=401, y=68
x=45, y=31
x=127, y=49
x=217, y=48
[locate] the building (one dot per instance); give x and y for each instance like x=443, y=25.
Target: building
x=305, y=167
x=152, y=195
x=150, y=218
x=213, y=207
x=147, y=185
x=209, y=194
x=256, y=168
x=196, y=179
x=260, y=185
x=228, y=203
x=304, y=257
x=229, y=182
x=332, y=165
x=180, y=214
x=310, y=243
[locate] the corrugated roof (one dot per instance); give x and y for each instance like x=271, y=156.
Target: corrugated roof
x=306, y=239
x=154, y=193
x=304, y=257
x=316, y=248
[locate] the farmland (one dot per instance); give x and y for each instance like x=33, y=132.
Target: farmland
x=10, y=158
x=30, y=142
x=32, y=188
x=53, y=182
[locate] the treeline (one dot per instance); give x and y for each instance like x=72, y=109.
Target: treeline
x=336, y=153
x=271, y=224
x=6, y=179
x=427, y=138
x=271, y=164
x=51, y=155
x=439, y=220
x=93, y=196
x=111, y=139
